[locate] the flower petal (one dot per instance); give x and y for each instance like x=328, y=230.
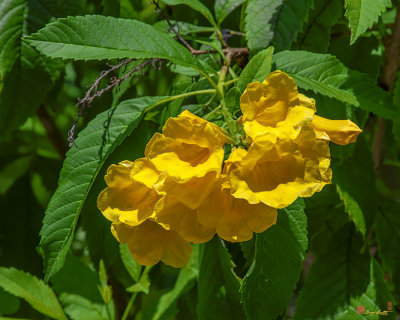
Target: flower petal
x=276, y=171
x=130, y=195
x=173, y=215
x=339, y=131
x=149, y=243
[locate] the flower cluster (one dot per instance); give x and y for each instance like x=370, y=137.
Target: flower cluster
x=184, y=192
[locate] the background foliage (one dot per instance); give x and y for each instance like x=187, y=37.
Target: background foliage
x=326, y=256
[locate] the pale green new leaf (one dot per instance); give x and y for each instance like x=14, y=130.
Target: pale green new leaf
x=324, y=74
x=33, y=290
x=275, y=22
x=257, y=68
x=195, y=5
x=79, y=308
x=316, y=34
x=363, y=14
x=97, y=37
x=387, y=230
x=83, y=162
x=223, y=8
x=280, y=250
x=350, y=178
x=167, y=305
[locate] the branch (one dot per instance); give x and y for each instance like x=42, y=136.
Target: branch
x=93, y=92
x=387, y=80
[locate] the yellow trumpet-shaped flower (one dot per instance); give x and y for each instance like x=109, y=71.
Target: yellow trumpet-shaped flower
x=276, y=170
x=339, y=131
x=130, y=196
x=149, y=243
x=189, y=147
x=276, y=106
x=234, y=219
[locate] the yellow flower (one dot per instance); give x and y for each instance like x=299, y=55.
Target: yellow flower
x=175, y=216
x=276, y=106
x=130, y=195
x=149, y=243
x=189, y=147
x=339, y=131
x=234, y=219
x=276, y=170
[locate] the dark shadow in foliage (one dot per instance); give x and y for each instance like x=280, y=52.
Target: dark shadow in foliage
x=340, y=273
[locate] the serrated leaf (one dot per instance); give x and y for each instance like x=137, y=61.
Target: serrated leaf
x=280, y=250
x=275, y=22
x=83, y=162
x=223, y=8
x=32, y=290
x=316, y=33
x=351, y=179
x=218, y=286
x=257, y=69
x=167, y=305
x=79, y=308
x=324, y=74
x=11, y=17
x=22, y=69
x=134, y=269
x=363, y=14
x=93, y=38
x=341, y=272
x=387, y=229
x=195, y=5
x=184, y=28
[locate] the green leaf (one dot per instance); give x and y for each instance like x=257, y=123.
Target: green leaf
x=316, y=33
x=342, y=272
x=195, y=5
x=218, y=286
x=11, y=17
x=257, y=69
x=387, y=230
x=93, y=38
x=78, y=308
x=351, y=179
x=142, y=286
x=134, y=269
x=83, y=162
x=324, y=74
x=167, y=305
x=376, y=297
x=10, y=173
x=76, y=278
x=275, y=22
x=184, y=28
x=22, y=69
x=280, y=250
x=223, y=8
x=363, y=14
x=232, y=100
x=33, y=290
x=8, y=303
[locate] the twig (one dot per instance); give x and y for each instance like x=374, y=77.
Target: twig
x=93, y=92
x=52, y=132
x=387, y=80
x=172, y=27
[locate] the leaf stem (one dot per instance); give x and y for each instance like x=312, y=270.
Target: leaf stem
x=179, y=96
x=227, y=83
